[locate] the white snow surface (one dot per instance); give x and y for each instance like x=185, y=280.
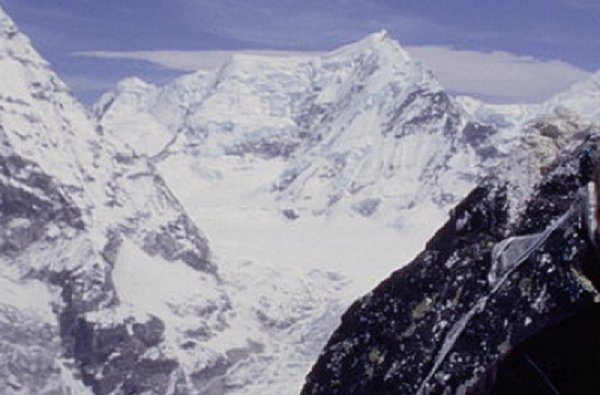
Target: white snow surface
x=288, y=280
x=312, y=176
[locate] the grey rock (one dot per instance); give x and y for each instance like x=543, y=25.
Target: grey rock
x=28, y=203
x=112, y=357
x=366, y=207
x=173, y=240
x=290, y=214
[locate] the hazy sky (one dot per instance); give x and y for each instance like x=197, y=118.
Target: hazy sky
x=502, y=50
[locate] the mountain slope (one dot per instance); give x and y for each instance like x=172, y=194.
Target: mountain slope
x=76, y=213
x=484, y=288
x=321, y=172
x=363, y=124
x=299, y=169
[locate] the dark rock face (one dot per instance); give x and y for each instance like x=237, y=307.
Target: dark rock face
x=478, y=136
x=29, y=201
x=486, y=286
x=423, y=108
x=281, y=147
x=173, y=240
x=562, y=359
x=367, y=207
x=111, y=357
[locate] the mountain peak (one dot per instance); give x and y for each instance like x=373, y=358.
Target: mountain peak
x=379, y=36
x=6, y=23
x=379, y=43
x=133, y=83
x=581, y=99
x=14, y=44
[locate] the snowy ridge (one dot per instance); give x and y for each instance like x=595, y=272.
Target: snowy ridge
x=581, y=100
x=312, y=176
x=348, y=119
x=71, y=205
x=534, y=135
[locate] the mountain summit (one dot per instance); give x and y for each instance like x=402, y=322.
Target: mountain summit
x=364, y=125
x=313, y=176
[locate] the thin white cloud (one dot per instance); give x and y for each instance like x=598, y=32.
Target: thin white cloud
x=495, y=76
x=499, y=76
x=186, y=60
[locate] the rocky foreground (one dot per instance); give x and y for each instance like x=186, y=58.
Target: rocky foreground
x=497, y=303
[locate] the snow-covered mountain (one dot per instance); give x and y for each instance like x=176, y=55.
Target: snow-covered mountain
x=108, y=286
x=311, y=177
x=362, y=125
x=360, y=149
x=88, y=232
x=362, y=129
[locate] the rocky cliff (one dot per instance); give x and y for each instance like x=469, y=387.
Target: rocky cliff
x=483, y=297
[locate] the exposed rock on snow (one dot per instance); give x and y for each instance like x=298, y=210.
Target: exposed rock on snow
x=483, y=286
x=69, y=202
x=106, y=275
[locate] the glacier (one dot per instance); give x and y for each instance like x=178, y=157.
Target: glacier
x=205, y=236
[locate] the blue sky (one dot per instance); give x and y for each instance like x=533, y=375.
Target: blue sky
x=547, y=44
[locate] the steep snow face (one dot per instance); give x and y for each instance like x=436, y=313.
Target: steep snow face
x=581, y=100
x=230, y=111
x=377, y=132
x=39, y=120
x=364, y=124
x=72, y=208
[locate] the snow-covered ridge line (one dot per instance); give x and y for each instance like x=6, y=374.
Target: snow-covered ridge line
x=333, y=115
x=310, y=109
x=73, y=199
x=312, y=176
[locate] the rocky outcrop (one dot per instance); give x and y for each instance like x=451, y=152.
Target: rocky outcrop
x=111, y=357
x=488, y=286
x=30, y=202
